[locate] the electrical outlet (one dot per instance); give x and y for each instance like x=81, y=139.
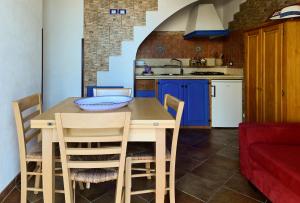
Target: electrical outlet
x=122, y=11
x=113, y=11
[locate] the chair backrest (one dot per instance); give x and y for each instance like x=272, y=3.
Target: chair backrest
x=74, y=129
x=177, y=105
x=112, y=92
x=25, y=109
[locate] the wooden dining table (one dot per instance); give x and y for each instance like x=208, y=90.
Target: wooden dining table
x=149, y=121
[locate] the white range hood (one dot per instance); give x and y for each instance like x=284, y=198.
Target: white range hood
x=204, y=22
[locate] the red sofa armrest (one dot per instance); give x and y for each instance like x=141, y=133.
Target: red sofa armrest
x=288, y=134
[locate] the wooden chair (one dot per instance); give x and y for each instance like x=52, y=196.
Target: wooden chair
x=92, y=165
x=109, y=91
x=112, y=91
x=147, y=157
x=25, y=109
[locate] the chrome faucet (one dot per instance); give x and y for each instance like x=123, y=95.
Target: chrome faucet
x=180, y=65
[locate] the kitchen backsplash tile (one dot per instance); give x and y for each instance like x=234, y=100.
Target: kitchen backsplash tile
x=163, y=44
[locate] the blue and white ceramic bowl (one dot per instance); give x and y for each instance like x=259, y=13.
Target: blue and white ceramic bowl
x=103, y=103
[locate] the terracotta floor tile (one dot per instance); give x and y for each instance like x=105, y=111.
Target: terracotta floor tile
x=181, y=197
x=229, y=152
x=240, y=184
x=216, y=174
x=193, y=137
x=199, y=187
x=108, y=197
x=187, y=163
x=202, y=152
x=224, y=136
x=31, y=197
x=224, y=162
x=14, y=197
x=96, y=190
x=228, y=196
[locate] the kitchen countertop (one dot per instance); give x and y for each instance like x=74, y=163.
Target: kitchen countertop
x=191, y=77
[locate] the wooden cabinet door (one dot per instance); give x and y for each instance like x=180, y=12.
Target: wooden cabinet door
x=291, y=72
x=196, y=108
x=195, y=94
x=145, y=88
x=172, y=87
x=253, y=73
x=272, y=39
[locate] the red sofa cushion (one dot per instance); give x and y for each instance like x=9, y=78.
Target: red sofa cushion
x=282, y=161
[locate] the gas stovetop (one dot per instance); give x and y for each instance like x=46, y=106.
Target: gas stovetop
x=207, y=73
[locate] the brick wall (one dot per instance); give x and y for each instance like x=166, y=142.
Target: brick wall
x=161, y=44
x=103, y=33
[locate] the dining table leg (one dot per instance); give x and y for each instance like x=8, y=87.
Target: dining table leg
x=48, y=166
x=160, y=165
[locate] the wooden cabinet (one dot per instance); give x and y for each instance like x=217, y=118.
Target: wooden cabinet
x=272, y=73
x=195, y=94
x=254, y=76
x=145, y=88
x=291, y=72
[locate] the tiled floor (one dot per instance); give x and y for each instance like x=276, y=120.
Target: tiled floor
x=207, y=171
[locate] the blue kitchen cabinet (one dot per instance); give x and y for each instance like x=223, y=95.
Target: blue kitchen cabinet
x=172, y=87
x=195, y=94
x=196, y=98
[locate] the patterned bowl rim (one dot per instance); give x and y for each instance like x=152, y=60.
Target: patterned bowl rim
x=104, y=104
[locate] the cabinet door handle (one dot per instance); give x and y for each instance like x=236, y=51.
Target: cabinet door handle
x=214, y=91
x=182, y=86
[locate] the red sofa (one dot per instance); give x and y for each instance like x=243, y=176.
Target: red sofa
x=270, y=159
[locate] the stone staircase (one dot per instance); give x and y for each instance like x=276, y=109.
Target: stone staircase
x=104, y=32
x=114, y=64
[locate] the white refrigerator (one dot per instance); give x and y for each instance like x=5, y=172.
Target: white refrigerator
x=226, y=98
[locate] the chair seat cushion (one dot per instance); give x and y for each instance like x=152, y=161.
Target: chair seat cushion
x=282, y=161
x=94, y=175
x=97, y=175
x=143, y=152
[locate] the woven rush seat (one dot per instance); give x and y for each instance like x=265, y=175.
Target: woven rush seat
x=94, y=175
x=144, y=153
x=98, y=175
